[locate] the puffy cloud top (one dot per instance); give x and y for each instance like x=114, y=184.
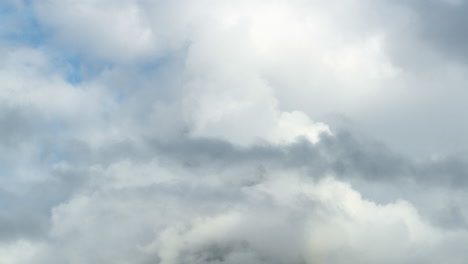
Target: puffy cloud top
x=288, y=132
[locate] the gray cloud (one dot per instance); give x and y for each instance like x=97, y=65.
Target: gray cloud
x=442, y=25
x=209, y=201
x=204, y=133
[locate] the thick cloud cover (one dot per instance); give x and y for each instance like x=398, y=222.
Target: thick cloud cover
x=233, y=131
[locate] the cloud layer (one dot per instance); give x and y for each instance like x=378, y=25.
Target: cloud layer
x=233, y=132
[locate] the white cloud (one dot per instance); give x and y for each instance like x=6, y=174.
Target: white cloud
x=17, y=253
x=29, y=79
x=286, y=218
x=221, y=77
x=115, y=30
x=242, y=57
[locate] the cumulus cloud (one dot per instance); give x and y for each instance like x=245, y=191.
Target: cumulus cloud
x=232, y=132
x=254, y=213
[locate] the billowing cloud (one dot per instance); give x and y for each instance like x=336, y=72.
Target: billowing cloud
x=232, y=132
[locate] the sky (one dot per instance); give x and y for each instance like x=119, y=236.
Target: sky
x=226, y=132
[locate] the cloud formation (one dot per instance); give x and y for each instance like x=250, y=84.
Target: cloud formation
x=232, y=132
